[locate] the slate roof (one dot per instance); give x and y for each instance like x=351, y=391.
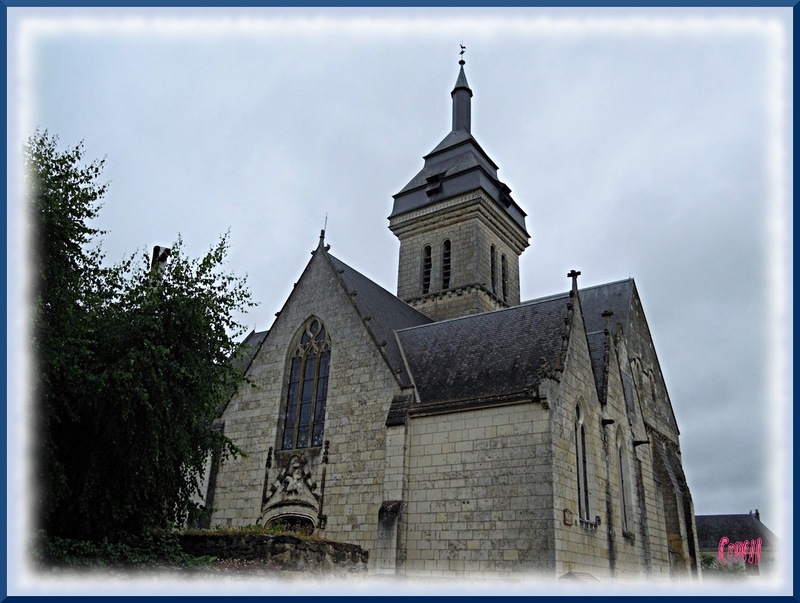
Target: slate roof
x=247, y=350
x=466, y=154
x=242, y=358
x=463, y=166
x=382, y=313
x=737, y=528
x=599, y=358
x=459, y=165
x=615, y=296
x=486, y=355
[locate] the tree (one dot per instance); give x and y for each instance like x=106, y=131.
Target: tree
x=132, y=363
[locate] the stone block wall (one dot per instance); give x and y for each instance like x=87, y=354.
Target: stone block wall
x=464, y=301
x=581, y=545
x=479, y=492
x=472, y=223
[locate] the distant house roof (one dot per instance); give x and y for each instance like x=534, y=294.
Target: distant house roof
x=737, y=528
x=486, y=355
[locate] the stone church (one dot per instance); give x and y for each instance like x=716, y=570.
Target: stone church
x=453, y=428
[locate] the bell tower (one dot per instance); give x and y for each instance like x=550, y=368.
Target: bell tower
x=461, y=233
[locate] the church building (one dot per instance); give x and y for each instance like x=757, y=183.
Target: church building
x=452, y=428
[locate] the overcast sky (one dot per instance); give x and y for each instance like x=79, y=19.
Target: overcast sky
x=653, y=144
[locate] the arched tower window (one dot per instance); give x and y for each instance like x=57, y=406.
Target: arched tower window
x=304, y=421
x=581, y=466
x=426, y=269
x=446, y=264
x=493, y=267
x=504, y=276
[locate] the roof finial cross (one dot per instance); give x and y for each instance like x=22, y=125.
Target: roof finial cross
x=574, y=274
x=463, y=50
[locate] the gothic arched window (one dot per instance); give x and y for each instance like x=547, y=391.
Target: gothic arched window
x=446, y=264
x=426, y=269
x=581, y=466
x=304, y=421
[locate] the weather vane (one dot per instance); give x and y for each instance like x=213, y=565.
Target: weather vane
x=463, y=50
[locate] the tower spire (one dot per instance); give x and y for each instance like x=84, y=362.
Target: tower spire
x=461, y=98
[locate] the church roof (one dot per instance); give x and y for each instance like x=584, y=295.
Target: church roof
x=596, y=300
x=616, y=297
x=382, y=313
x=242, y=358
x=598, y=355
x=488, y=355
x=246, y=350
x=457, y=165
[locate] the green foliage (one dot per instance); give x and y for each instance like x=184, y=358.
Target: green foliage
x=712, y=568
x=275, y=529
x=153, y=547
x=133, y=364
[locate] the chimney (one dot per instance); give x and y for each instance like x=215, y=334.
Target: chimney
x=160, y=255
x=757, y=516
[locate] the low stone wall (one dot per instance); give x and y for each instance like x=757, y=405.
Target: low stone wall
x=285, y=553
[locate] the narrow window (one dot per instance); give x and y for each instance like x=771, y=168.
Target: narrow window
x=304, y=421
x=426, y=269
x=446, y=264
x=580, y=462
x=504, y=276
x=493, y=268
x=624, y=485
x=584, y=472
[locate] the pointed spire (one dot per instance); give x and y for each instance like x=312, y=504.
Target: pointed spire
x=461, y=95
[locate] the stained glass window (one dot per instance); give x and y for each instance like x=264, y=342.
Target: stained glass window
x=304, y=421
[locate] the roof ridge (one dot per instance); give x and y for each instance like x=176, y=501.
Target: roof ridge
x=468, y=316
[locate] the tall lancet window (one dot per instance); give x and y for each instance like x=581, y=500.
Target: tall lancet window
x=493, y=267
x=504, y=275
x=446, y=264
x=580, y=462
x=304, y=421
x=426, y=269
